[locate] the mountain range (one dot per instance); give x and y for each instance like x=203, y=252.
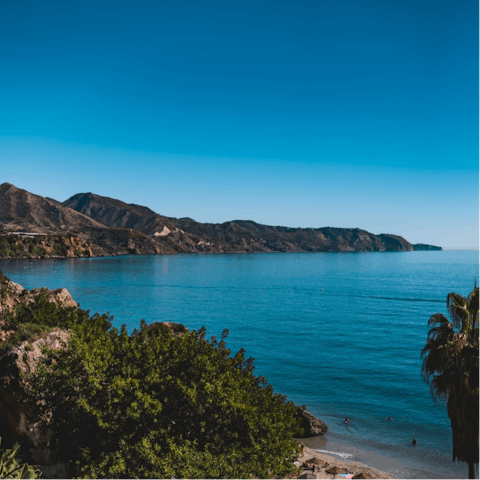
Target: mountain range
x=92, y=225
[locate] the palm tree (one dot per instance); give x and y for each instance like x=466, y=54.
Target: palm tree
x=450, y=365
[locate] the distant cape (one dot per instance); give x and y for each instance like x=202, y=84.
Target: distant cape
x=106, y=226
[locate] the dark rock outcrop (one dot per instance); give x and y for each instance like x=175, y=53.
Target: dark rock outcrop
x=312, y=426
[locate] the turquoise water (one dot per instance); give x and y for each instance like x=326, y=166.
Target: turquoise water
x=338, y=332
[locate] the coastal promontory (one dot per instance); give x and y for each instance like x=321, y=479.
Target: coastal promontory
x=89, y=225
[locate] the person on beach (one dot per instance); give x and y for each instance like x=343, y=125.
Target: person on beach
x=303, y=452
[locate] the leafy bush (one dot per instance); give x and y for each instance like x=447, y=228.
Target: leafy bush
x=29, y=321
x=26, y=331
x=35, y=250
x=157, y=405
x=8, y=246
x=18, y=246
x=59, y=249
x=10, y=466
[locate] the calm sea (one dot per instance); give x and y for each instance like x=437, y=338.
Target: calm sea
x=338, y=332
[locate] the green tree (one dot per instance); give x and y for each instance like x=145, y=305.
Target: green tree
x=155, y=405
x=450, y=365
x=29, y=321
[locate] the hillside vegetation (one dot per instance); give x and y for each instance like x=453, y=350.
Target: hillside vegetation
x=29, y=246
x=161, y=402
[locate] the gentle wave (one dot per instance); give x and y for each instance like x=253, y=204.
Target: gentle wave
x=407, y=299
x=338, y=454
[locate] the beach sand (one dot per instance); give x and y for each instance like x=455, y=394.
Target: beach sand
x=351, y=467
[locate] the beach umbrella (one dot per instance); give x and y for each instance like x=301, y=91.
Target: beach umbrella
x=336, y=470
x=307, y=475
x=362, y=475
x=315, y=461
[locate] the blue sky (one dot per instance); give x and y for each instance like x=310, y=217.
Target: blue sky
x=339, y=113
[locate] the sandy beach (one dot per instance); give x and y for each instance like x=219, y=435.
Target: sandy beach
x=320, y=471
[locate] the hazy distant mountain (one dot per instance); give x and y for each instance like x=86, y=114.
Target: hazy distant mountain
x=22, y=210
x=113, y=227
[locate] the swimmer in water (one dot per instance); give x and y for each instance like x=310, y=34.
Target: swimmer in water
x=389, y=418
x=347, y=420
x=414, y=441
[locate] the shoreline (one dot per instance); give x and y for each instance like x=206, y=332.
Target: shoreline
x=356, y=457
x=353, y=468
x=65, y=257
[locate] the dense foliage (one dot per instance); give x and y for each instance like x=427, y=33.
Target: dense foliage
x=30, y=321
x=14, y=245
x=156, y=404
x=11, y=466
x=450, y=365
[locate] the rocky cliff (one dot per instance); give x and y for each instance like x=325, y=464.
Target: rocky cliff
x=17, y=420
x=312, y=426
x=12, y=294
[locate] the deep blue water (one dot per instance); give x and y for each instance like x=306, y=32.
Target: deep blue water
x=338, y=332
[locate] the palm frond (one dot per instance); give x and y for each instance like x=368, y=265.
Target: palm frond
x=439, y=319
x=457, y=306
x=473, y=305
x=451, y=367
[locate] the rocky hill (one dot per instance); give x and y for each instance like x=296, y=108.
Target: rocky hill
x=233, y=236
x=253, y=237
x=117, y=214
x=22, y=210
x=106, y=226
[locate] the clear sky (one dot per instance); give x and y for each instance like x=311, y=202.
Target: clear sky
x=342, y=113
